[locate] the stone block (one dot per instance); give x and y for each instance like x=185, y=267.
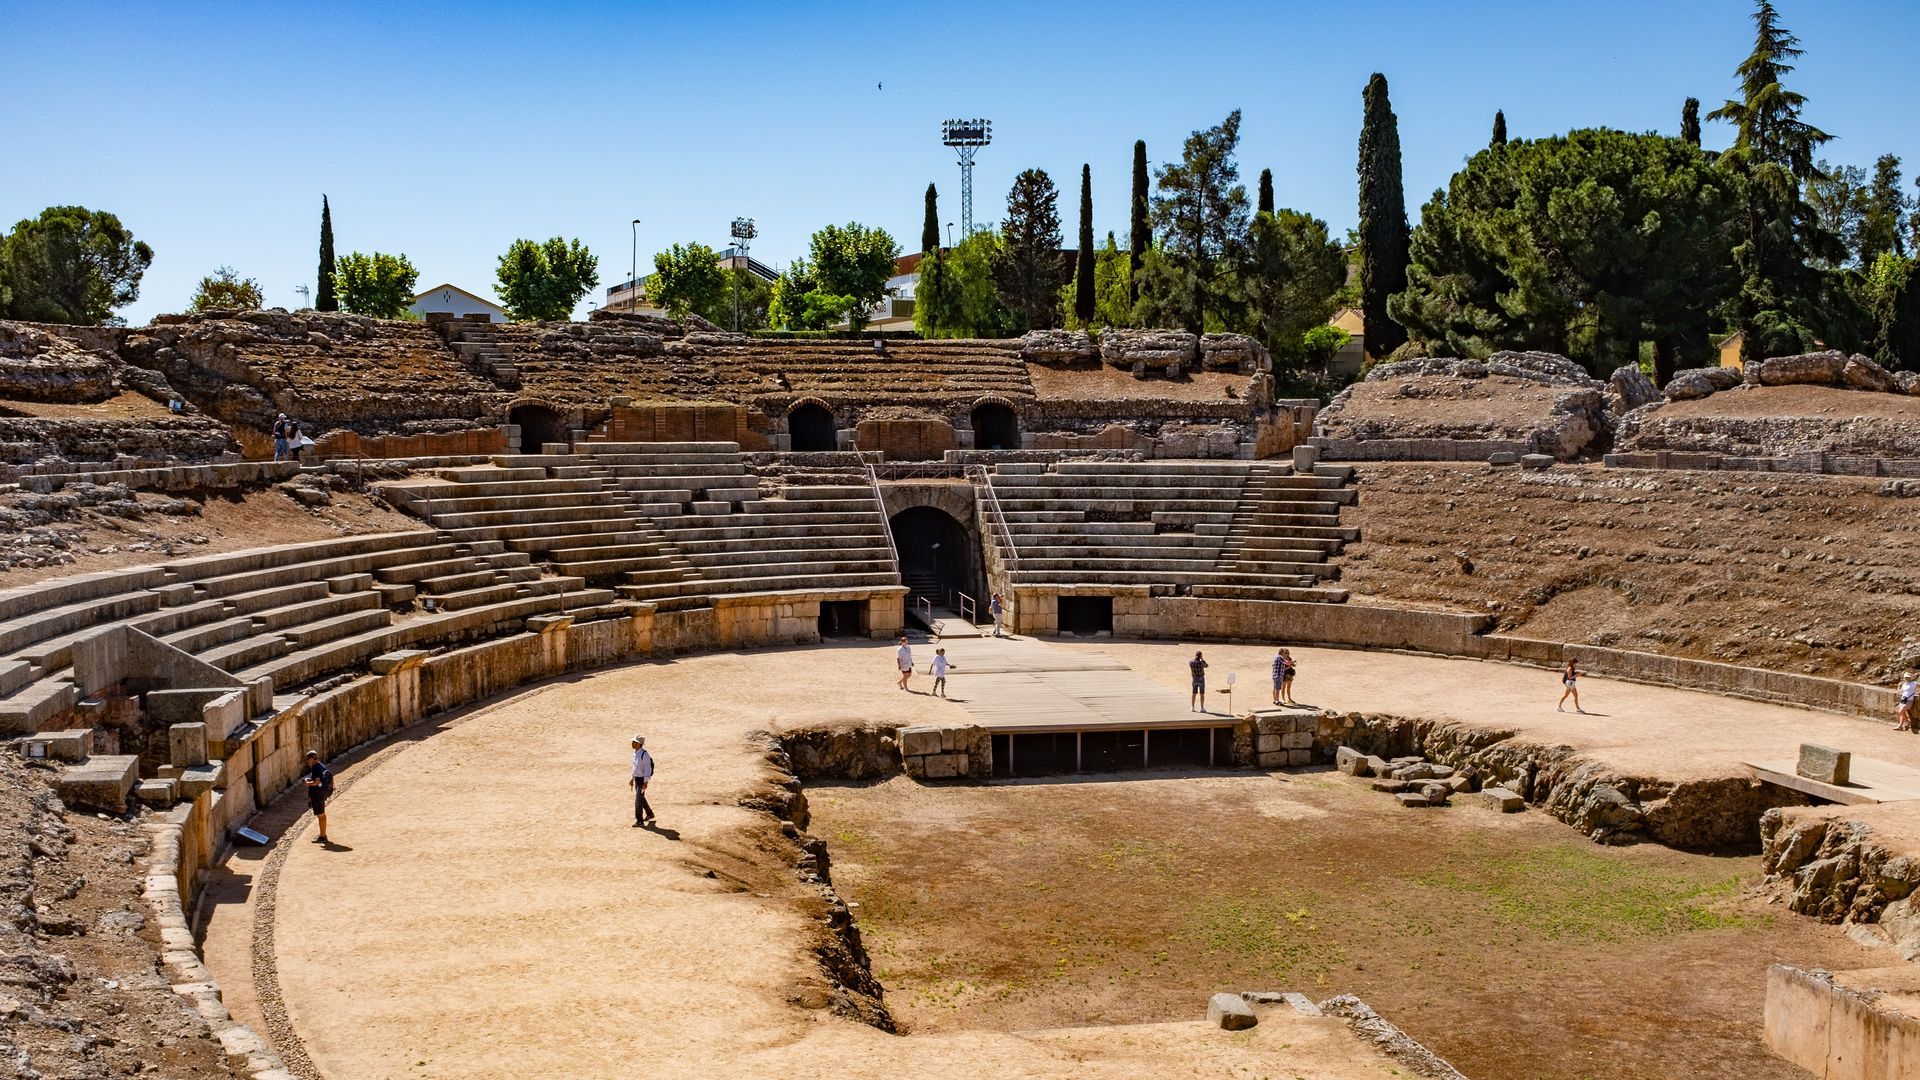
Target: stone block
x=1458, y=783
x=1441, y=772
x=1296, y=758
x=201, y=778
x=918, y=741
x=1824, y=763
x=1536, y=461
x=1499, y=798
x=72, y=744
x=1276, y=759
x=1351, y=761
x=1301, y=1003
x=1305, y=458
x=349, y=583
x=1299, y=740
x=1377, y=765
x=156, y=792
x=1267, y=744
x=102, y=782
x=187, y=745
x=1417, y=771
x=1503, y=459
x=1230, y=1011
x=1412, y=799
x=1392, y=787
x=943, y=766
x=1436, y=791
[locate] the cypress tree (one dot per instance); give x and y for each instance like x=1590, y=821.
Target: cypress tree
x=1139, y=234
x=1383, y=219
x=325, y=299
x=1083, y=261
x=1265, y=205
x=1690, y=122
x=930, y=229
x=1499, y=128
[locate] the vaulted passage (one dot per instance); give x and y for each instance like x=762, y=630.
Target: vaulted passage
x=811, y=427
x=936, y=555
x=995, y=427
x=539, y=425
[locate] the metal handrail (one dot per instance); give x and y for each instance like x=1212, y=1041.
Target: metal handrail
x=978, y=474
x=903, y=470
x=886, y=527
x=926, y=610
x=966, y=607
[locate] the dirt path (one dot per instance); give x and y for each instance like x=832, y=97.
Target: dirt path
x=1640, y=730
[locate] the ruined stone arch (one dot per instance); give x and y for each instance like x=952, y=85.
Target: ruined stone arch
x=812, y=425
x=540, y=422
x=996, y=423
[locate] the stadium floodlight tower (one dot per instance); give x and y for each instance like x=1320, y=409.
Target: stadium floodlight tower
x=966, y=137
x=744, y=230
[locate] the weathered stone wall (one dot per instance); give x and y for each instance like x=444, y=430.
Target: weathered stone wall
x=1450, y=409
x=1838, y=1032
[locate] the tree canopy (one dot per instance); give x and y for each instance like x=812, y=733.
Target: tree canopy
x=542, y=282
x=1200, y=214
x=930, y=222
x=1585, y=244
x=1292, y=270
x=378, y=285
x=1383, y=218
x=1083, y=272
x=850, y=265
x=326, y=299
x=1028, y=270
x=70, y=265
x=958, y=296
x=226, y=290
x=687, y=278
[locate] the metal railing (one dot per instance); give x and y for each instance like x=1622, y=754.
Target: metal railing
x=925, y=607
x=920, y=470
x=886, y=527
x=978, y=475
x=966, y=607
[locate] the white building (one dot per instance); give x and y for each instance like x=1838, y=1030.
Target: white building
x=457, y=302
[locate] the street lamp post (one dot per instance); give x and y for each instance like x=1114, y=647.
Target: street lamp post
x=949, y=234
x=633, y=267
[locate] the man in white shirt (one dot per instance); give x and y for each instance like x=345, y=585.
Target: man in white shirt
x=642, y=772
x=903, y=657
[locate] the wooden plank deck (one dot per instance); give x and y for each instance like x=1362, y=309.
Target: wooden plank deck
x=1871, y=780
x=1029, y=687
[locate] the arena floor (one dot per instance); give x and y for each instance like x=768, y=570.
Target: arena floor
x=487, y=909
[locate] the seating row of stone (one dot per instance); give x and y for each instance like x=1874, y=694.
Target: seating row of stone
x=1245, y=530
x=250, y=624
x=665, y=521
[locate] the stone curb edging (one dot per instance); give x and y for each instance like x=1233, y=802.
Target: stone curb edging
x=180, y=956
x=1384, y=1034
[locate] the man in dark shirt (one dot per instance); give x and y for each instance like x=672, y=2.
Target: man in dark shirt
x=319, y=781
x=1198, y=666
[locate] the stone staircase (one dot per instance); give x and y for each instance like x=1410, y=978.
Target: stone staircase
x=479, y=347
x=1241, y=530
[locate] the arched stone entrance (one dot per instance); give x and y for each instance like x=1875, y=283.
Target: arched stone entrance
x=810, y=426
x=539, y=424
x=937, y=555
x=995, y=426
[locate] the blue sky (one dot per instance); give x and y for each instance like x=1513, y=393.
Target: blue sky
x=444, y=131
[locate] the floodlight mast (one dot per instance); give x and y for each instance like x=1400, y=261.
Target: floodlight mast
x=744, y=230
x=966, y=137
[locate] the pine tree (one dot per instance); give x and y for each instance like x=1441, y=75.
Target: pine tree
x=1028, y=271
x=1778, y=308
x=1383, y=219
x=1265, y=203
x=325, y=300
x=1690, y=122
x=1884, y=223
x=930, y=228
x=1140, y=233
x=1083, y=261
x=1201, y=214
x=1499, y=128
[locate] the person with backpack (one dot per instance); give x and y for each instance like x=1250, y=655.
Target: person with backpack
x=1570, y=678
x=319, y=781
x=284, y=432
x=642, y=775
x=1903, y=716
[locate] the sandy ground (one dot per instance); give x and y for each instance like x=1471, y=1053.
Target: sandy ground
x=126, y=405
x=488, y=910
x=1791, y=401
x=1113, y=384
x=1640, y=730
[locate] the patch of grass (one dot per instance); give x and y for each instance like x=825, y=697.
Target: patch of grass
x=1582, y=893
x=1275, y=938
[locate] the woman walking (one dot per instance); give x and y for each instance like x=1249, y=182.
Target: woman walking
x=1288, y=666
x=1570, y=678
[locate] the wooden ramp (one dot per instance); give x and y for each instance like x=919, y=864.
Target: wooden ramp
x=1870, y=781
x=1028, y=687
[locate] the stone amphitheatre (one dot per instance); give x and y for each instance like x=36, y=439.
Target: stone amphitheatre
x=512, y=546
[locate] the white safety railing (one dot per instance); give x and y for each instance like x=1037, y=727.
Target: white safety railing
x=966, y=607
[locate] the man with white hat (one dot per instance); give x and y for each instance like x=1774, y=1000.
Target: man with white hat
x=642, y=772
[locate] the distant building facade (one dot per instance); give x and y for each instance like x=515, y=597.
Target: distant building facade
x=631, y=295
x=457, y=302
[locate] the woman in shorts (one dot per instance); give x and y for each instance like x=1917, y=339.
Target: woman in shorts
x=1570, y=678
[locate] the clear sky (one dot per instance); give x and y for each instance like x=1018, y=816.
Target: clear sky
x=444, y=131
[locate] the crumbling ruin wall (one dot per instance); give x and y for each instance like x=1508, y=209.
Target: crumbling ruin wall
x=77, y=366
x=1513, y=402
x=1823, y=403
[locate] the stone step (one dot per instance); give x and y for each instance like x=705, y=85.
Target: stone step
x=327, y=607
x=313, y=633
x=756, y=585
